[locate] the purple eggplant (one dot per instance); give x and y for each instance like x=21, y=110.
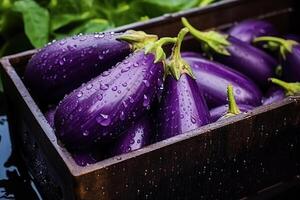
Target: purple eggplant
x=213, y=78
x=248, y=30
x=230, y=109
x=282, y=90
x=64, y=65
x=103, y=108
x=274, y=94
x=183, y=107
x=243, y=57
x=136, y=137
x=289, y=51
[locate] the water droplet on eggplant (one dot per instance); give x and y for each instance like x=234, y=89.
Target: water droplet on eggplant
x=104, y=120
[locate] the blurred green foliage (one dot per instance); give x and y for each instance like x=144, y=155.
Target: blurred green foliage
x=26, y=24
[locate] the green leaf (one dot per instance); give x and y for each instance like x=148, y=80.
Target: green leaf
x=58, y=21
x=91, y=26
x=36, y=21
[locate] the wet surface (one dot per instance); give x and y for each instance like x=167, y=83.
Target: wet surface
x=15, y=181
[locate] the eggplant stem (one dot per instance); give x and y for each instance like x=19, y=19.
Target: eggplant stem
x=284, y=46
x=176, y=65
x=157, y=50
x=290, y=88
x=215, y=41
x=138, y=39
x=233, y=108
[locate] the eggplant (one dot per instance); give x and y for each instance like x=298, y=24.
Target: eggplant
x=183, y=107
x=103, y=108
x=234, y=53
x=212, y=78
x=64, y=65
x=136, y=137
x=230, y=109
x=282, y=90
x=274, y=94
x=248, y=30
x=289, y=52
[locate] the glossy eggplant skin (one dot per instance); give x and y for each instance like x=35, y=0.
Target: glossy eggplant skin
x=183, y=107
x=291, y=69
x=274, y=94
x=102, y=109
x=248, y=30
x=136, y=137
x=218, y=112
x=213, y=78
x=64, y=65
x=251, y=61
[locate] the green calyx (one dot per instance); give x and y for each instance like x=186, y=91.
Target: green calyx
x=176, y=65
x=290, y=88
x=233, y=108
x=213, y=40
x=138, y=39
x=157, y=50
x=274, y=43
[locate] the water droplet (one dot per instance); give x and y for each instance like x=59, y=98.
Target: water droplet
x=146, y=82
x=238, y=91
x=119, y=158
x=193, y=120
x=131, y=99
x=82, y=38
x=181, y=116
x=105, y=73
x=124, y=104
x=135, y=64
x=89, y=86
x=99, y=97
x=114, y=88
x=61, y=62
x=122, y=116
x=119, y=91
x=79, y=94
x=103, y=120
x=86, y=133
x=146, y=101
x=131, y=141
x=104, y=86
x=124, y=84
x=62, y=42
x=100, y=57
x=125, y=69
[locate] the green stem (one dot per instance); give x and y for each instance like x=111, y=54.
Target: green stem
x=176, y=65
x=157, y=50
x=284, y=46
x=214, y=40
x=138, y=39
x=290, y=88
x=233, y=108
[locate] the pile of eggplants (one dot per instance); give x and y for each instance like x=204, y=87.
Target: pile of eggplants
x=113, y=93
